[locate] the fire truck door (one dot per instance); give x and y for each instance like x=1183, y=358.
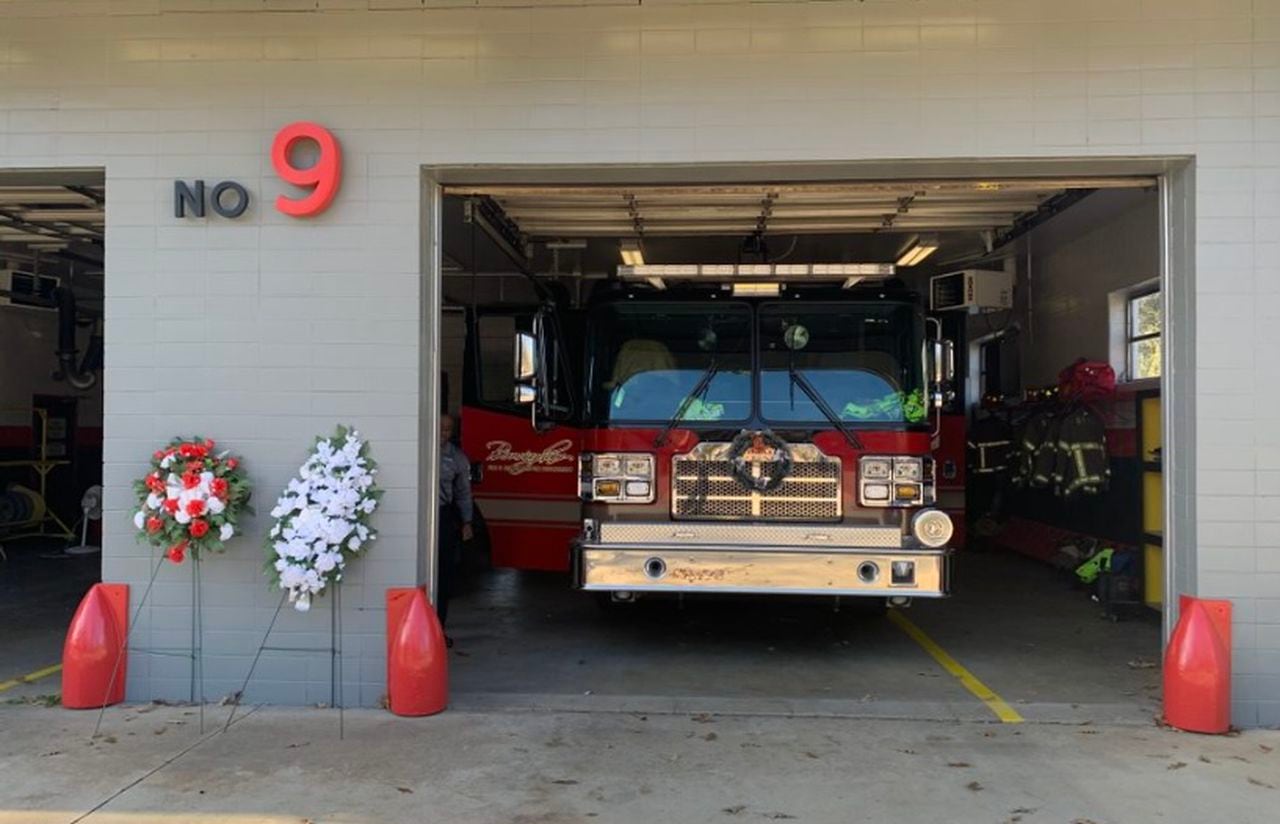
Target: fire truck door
x=525, y=479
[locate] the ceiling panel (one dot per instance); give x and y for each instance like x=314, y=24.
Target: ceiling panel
x=549, y=212
x=50, y=218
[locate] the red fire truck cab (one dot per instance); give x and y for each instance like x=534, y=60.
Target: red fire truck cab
x=683, y=434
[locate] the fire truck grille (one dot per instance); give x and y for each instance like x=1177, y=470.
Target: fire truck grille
x=704, y=487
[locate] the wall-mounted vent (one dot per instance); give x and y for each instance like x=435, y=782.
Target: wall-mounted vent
x=28, y=290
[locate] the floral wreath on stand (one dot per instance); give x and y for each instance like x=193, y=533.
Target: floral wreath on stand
x=322, y=519
x=191, y=500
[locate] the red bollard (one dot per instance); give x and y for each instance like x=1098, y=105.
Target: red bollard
x=94, y=659
x=1197, y=667
x=417, y=661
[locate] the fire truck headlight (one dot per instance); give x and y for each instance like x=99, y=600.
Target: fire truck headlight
x=908, y=469
x=638, y=489
x=619, y=478
x=907, y=493
x=607, y=466
x=895, y=480
x=932, y=527
x=638, y=466
x=876, y=469
x=875, y=492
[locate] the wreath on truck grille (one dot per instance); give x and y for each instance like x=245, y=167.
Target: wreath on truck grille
x=742, y=456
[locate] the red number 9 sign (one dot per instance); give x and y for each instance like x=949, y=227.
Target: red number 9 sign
x=324, y=176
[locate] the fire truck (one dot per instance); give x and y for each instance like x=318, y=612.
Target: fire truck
x=704, y=428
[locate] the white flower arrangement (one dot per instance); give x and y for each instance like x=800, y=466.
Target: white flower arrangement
x=322, y=519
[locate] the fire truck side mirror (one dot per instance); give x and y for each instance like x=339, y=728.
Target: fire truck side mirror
x=526, y=359
x=525, y=394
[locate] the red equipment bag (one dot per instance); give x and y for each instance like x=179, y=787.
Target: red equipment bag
x=1087, y=380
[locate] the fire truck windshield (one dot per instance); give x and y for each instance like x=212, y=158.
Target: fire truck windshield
x=862, y=358
x=645, y=361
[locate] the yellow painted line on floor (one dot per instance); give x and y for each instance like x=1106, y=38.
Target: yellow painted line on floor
x=29, y=677
x=981, y=691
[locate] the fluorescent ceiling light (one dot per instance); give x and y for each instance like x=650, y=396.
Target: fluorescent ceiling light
x=658, y=270
x=915, y=255
x=920, y=248
x=725, y=272
x=756, y=290
x=632, y=254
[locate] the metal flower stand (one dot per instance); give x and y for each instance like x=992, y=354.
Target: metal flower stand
x=195, y=653
x=336, y=698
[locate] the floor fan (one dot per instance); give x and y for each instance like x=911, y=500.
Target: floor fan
x=91, y=506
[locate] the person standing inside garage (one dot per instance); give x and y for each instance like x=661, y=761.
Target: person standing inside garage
x=456, y=509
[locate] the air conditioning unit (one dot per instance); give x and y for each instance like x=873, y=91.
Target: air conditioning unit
x=28, y=290
x=971, y=289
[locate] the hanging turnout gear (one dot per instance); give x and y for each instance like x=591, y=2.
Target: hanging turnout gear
x=1063, y=445
x=991, y=446
x=1065, y=450
x=1082, y=463
x=1040, y=447
x=1027, y=439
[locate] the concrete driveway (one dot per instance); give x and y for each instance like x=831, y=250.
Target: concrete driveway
x=278, y=766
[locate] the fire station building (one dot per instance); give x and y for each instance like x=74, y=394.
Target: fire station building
x=913, y=298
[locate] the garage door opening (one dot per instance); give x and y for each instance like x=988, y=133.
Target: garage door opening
x=733, y=384
x=51, y=337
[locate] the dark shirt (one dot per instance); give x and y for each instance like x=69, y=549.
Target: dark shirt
x=455, y=480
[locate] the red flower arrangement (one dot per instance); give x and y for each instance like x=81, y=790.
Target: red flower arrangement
x=191, y=500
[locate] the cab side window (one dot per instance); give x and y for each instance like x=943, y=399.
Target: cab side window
x=491, y=363
x=496, y=361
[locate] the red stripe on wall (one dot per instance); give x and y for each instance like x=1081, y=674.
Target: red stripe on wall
x=1040, y=540
x=1122, y=443
x=22, y=437
x=15, y=437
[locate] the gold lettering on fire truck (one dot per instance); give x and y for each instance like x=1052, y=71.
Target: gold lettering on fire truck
x=517, y=463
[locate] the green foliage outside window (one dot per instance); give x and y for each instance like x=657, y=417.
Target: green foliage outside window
x=1144, y=336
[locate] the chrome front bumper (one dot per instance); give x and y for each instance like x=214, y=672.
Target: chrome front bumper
x=685, y=557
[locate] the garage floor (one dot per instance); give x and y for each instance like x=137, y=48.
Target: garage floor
x=38, y=596
x=522, y=641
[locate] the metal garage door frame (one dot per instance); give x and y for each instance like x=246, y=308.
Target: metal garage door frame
x=1176, y=180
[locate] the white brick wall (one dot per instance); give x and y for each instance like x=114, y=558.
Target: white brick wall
x=1108, y=242
x=157, y=89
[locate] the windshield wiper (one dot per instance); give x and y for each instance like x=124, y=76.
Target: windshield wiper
x=798, y=379
x=699, y=389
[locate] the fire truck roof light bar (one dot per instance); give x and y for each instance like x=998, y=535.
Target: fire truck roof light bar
x=764, y=271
